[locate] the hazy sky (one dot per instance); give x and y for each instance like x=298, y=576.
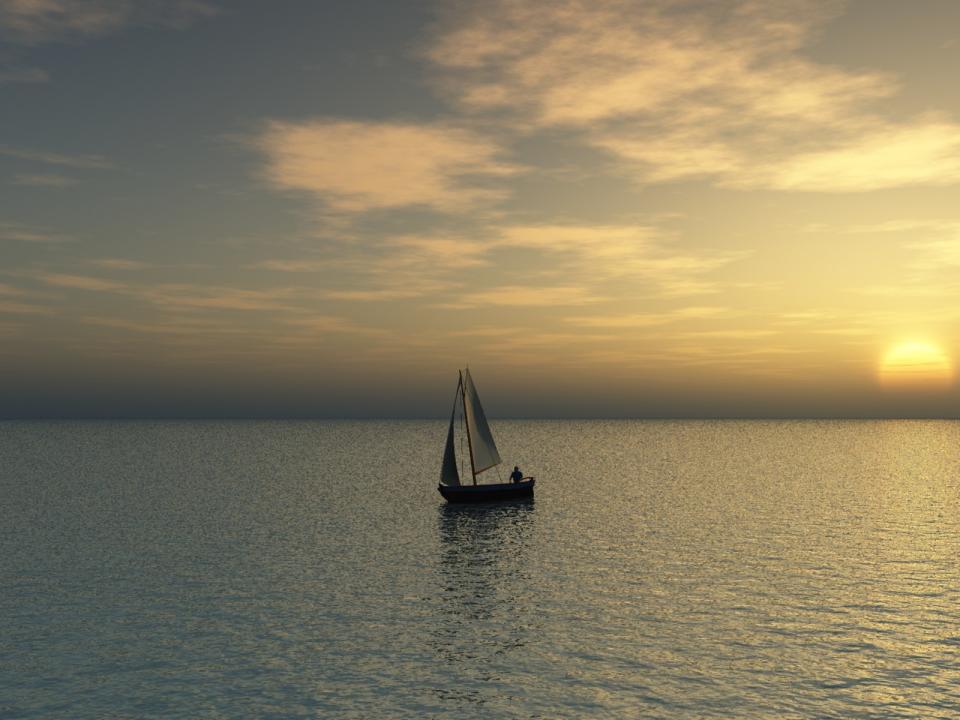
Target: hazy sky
x=659, y=208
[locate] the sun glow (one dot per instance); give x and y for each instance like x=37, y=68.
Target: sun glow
x=915, y=365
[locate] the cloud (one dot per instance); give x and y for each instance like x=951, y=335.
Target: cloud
x=640, y=320
x=324, y=324
x=396, y=267
x=885, y=226
x=18, y=308
x=411, y=266
x=360, y=166
x=407, y=266
x=292, y=266
x=923, y=154
x=678, y=90
x=96, y=162
x=448, y=252
x=529, y=296
x=673, y=154
x=573, y=257
x=848, y=331
x=378, y=294
x=910, y=288
x=44, y=180
x=20, y=233
x=728, y=334
x=16, y=301
x=487, y=331
x=10, y=290
x=23, y=76
x=191, y=326
x=181, y=295
x=186, y=296
x=521, y=341
x=605, y=252
x=80, y=282
x=578, y=63
x=119, y=264
x=943, y=254
x=34, y=22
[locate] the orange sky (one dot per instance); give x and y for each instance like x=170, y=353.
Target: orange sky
x=660, y=208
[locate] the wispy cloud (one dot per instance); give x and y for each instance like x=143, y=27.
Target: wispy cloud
x=17, y=301
x=22, y=233
x=917, y=287
x=120, y=264
x=603, y=252
x=529, y=296
x=920, y=154
x=397, y=267
x=324, y=324
x=641, y=320
x=487, y=331
x=407, y=266
x=578, y=63
x=21, y=308
x=191, y=296
x=396, y=292
x=181, y=295
x=55, y=181
x=729, y=333
x=33, y=22
x=9, y=290
x=449, y=252
x=360, y=166
x=96, y=162
x=22, y=76
x=191, y=327
x=292, y=266
x=677, y=90
x=901, y=225
x=9, y=329
x=934, y=243
x=80, y=282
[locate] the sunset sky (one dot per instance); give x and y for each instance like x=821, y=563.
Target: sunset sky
x=632, y=209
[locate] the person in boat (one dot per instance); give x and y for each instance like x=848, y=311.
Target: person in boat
x=516, y=476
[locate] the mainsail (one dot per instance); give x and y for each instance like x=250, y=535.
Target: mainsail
x=484, y=449
x=448, y=473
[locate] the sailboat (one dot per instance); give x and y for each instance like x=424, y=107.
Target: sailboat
x=483, y=454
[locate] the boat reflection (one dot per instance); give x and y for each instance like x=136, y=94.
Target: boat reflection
x=482, y=555
x=487, y=607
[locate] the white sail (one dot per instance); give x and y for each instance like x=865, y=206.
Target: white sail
x=484, y=449
x=448, y=473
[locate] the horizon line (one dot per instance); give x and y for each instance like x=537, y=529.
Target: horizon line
x=318, y=418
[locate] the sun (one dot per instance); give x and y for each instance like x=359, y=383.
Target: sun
x=915, y=365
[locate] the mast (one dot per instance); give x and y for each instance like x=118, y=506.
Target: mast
x=463, y=398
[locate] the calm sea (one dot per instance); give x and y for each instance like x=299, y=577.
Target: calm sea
x=310, y=569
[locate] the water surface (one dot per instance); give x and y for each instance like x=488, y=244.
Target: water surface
x=310, y=569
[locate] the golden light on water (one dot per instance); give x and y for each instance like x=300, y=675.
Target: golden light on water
x=915, y=365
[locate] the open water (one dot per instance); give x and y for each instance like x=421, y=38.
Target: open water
x=800, y=569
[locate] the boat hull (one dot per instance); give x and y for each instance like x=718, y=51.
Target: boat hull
x=487, y=493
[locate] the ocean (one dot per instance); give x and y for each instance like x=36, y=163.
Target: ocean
x=665, y=569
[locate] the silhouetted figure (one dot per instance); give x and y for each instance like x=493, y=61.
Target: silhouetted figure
x=516, y=476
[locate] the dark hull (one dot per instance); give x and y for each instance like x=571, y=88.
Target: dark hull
x=487, y=493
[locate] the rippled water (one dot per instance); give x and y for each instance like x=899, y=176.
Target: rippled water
x=310, y=569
